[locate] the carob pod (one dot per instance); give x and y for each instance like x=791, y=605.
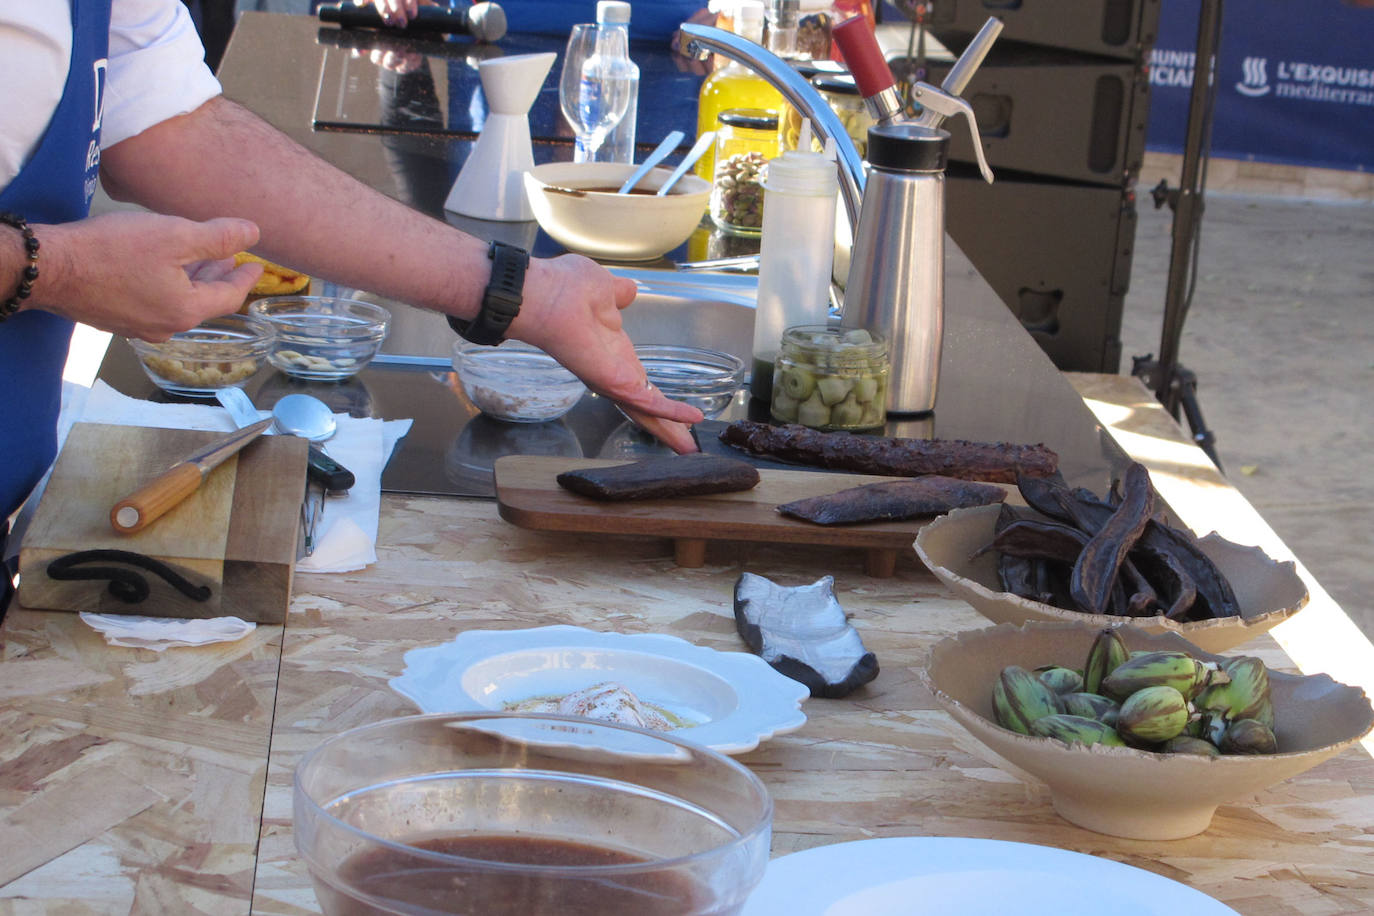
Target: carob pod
x=1187, y=579
x=1095, y=573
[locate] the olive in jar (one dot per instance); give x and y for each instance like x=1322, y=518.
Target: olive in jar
x=831, y=378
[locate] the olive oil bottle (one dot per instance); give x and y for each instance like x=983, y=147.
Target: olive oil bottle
x=734, y=85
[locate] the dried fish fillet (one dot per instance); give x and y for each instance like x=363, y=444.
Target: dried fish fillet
x=894, y=500
x=803, y=633
x=662, y=478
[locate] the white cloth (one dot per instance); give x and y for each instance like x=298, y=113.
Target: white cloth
x=158, y=633
x=156, y=71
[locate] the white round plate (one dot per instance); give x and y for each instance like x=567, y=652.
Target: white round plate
x=902, y=875
x=736, y=699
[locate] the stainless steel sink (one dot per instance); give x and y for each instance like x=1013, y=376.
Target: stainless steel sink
x=698, y=309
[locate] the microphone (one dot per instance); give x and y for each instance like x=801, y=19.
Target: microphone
x=483, y=21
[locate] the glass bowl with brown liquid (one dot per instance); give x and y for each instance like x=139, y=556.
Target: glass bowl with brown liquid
x=501, y=813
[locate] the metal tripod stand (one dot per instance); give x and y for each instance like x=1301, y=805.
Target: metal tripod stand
x=1174, y=385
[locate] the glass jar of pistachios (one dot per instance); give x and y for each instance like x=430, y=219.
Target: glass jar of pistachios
x=831, y=378
x=746, y=138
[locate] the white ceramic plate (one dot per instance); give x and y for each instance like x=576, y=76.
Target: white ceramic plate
x=736, y=699
x=903, y=875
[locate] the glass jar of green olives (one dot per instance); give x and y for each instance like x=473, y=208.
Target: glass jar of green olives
x=831, y=378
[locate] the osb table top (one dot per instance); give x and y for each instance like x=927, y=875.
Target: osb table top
x=161, y=782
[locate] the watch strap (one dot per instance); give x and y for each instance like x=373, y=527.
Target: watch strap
x=500, y=300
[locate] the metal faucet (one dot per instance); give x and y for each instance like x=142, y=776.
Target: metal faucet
x=704, y=40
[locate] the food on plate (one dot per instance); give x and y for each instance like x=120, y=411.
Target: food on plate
x=276, y=280
x=996, y=462
x=606, y=702
x=803, y=633
x=1079, y=552
x=894, y=500
x=661, y=478
x=1166, y=701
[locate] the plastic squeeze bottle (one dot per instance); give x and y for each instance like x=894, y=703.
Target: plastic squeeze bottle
x=796, y=252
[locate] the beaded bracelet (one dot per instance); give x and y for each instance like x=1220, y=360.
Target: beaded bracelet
x=30, y=272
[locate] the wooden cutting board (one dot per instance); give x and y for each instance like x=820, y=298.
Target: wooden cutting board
x=528, y=495
x=237, y=534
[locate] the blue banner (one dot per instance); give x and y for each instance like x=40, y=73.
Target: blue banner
x=1295, y=81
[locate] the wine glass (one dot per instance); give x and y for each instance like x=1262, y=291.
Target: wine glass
x=593, y=99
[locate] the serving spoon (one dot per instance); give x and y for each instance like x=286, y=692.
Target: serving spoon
x=697, y=151
x=305, y=416
x=660, y=153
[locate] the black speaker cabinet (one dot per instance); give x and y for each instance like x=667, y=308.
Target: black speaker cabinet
x=1123, y=29
x=1050, y=113
x=1059, y=256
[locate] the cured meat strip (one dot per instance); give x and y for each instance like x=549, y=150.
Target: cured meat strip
x=894, y=500
x=998, y=462
x=660, y=478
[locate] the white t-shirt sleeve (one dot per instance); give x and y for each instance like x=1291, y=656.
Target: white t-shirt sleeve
x=157, y=67
x=35, y=50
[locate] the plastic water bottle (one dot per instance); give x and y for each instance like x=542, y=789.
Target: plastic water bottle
x=607, y=78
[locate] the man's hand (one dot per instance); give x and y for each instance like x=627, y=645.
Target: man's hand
x=571, y=311
x=142, y=274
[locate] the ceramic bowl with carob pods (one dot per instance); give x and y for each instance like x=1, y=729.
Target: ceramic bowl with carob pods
x=1234, y=726
x=831, y=378
x=1076, y=557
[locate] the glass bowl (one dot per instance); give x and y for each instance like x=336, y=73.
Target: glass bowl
x=706, y=379
x=515, y=381
x=498, y=813
x=223, y=352
x=322, y=338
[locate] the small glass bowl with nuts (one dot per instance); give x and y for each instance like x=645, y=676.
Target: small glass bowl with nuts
x=322, y=338
x=223, y=352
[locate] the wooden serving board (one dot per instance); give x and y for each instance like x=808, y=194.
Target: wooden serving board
x=237, y=534
x=528, y=495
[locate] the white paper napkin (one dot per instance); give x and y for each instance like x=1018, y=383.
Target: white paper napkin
x=346, y=537
x=159, y=633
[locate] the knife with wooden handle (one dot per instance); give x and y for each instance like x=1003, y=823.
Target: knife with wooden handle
x=149, y=502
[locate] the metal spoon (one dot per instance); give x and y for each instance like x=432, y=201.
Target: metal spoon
x=660, y=152
x=697, y=151
x=305, y=416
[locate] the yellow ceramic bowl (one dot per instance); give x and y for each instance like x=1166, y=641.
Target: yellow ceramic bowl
x=1122, y=791
x=617, y=227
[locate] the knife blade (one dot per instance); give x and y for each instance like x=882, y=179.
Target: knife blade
x=149, y=502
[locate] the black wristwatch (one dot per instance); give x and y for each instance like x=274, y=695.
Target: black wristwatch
x=501, y=299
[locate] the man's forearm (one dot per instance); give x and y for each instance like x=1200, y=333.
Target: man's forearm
x=222, y=160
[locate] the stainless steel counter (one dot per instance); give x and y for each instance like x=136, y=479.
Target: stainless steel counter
x=996, y=385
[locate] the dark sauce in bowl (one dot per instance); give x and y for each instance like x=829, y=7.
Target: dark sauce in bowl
x=416, y=884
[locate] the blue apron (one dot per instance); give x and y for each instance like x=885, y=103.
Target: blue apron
x=54, y=186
